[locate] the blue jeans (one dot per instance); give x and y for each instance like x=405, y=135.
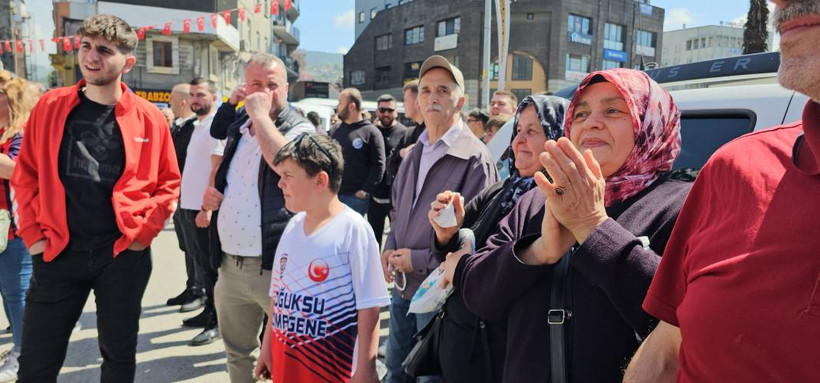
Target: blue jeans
x=355, y=203
x=400, y=340
x=15, y=274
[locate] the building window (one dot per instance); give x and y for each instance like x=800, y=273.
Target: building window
x=645, y=43
x=383, y=75
x=414, y=35
x=162, y=54
x=494, y=69
x=579, y=29
x=449, y=27
x=522, y=68
x=578, y=63
x=373, y=13
x=384, y=42
x=411, y=70
x=688, y=45
x=521, y=93
x=357, y=77
x=614, y=37
x=609, y=64
x=361, y=17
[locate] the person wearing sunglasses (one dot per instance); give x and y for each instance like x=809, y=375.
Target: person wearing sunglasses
x=362, y=149
x=393, y=132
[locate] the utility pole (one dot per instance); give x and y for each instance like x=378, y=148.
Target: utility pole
x=485, y=74
x=503, y=11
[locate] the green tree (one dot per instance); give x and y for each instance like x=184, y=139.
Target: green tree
x=756, y=34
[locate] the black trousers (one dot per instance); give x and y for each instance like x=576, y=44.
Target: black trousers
x=376, y=214
x=55, y=300
x=197, y=245
x=193, y=283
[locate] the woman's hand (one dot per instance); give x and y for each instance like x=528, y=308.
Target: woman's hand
x=444, y=234
x=576, y=196
x=449, y=265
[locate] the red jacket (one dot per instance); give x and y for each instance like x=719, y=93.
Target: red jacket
x=143, y=198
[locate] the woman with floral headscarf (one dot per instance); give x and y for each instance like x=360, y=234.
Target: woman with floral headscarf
x=467, y=341
x=598, y=225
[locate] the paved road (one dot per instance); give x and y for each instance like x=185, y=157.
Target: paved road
x=163, y=354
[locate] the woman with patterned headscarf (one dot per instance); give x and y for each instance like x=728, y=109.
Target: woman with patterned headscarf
x=467, y=341
x=596, y=229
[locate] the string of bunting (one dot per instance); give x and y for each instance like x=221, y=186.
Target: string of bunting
x=70, y=43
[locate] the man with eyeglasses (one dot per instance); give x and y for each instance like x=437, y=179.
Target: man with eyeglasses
x=476, y=120
x=362, y=149
x=251, y=207
x=393, y=132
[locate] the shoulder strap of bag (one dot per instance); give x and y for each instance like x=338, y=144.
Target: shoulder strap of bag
x=557, y=318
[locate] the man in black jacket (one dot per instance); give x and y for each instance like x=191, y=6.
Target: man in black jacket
x=362, y=150
x=251, y=208
x=393, y=132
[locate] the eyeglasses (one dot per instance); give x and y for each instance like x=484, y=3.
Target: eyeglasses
x=386, y=110
x=301, y=150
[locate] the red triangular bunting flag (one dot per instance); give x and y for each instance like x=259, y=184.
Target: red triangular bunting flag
x=19, y=45
x=227, y=16
x=166, y=30
x=141, y=33
x=257, y=8
x=242, y=14
x=30, y=46
x=66, y=44
x=214, y=16
x=186, y=26
x=287, y=5
x=42, y=45
x=77, y=40
x=1, y=48
x=55, y=39
x=200, y=23
x=274, y=7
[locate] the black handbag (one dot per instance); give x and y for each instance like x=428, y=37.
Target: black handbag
x=423, y=357
x=558, y=318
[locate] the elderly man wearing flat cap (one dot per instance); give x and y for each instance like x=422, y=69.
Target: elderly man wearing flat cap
x=448, y=157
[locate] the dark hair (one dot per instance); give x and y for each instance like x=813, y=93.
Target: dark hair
x=201, y=80
x=110, y=28
x=315, y=153
x=479, y=114
x=354, y=96
x=385, y=98
x=314, y=118
x=412, y=86
x=497, y=122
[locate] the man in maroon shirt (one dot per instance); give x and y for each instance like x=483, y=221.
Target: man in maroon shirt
x=738, y=288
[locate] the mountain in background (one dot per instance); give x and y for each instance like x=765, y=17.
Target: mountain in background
x=320, y=66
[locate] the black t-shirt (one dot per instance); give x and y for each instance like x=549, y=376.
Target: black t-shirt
x=92, y=158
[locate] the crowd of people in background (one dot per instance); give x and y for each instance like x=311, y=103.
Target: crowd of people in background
x=591, y=262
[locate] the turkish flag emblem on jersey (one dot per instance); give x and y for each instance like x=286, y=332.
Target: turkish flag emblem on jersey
x=318, y=270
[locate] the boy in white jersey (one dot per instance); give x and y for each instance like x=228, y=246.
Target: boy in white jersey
x=327, y=285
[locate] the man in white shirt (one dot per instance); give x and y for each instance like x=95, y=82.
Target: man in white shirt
x=252, y=213
x=204, y=154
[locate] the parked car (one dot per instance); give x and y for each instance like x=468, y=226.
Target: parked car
x=714, y=110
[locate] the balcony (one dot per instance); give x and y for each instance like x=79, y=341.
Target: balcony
x=293, y=12
x=226, y=36
x=286, y=32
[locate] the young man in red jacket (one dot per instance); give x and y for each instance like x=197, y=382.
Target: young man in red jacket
x=96, y=179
